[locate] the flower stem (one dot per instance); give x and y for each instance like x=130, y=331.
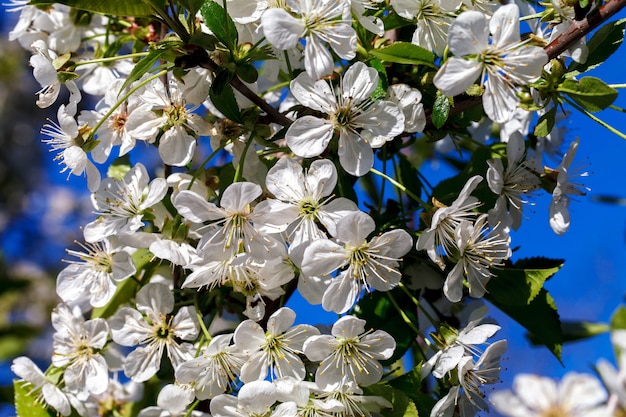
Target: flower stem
x=242, y=158
x=110, y=59
x=595, y=119
x=125, y=97
x=398, y=185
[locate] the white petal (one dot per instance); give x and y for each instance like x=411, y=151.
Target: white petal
x=309, y=136
x=281, y=29
x=469, y=34
x=323, y=257
x=316, y=94
x=504, y=25
x=457, y=75
x=359, y=82
x=355, y=154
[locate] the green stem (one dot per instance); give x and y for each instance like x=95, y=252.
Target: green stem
x=239, y=170
x=125, y=97
x=197, y=172
x=407, y=320
x=595, y=119
x=200, y=317
x=418, y=304
x=617, y=85
x=110, y=59
x=620, y=109
x=192, y=407
x=399, y=186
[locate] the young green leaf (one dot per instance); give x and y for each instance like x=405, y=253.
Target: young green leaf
x=405, y=53
x=441, y=110
x=220, y=23
x=590, y=93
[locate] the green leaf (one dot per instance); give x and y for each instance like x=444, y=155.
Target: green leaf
x=410, y=384
x=618, y=320
x=405, y=53
x=601, y=46
x=441, y=110
x=192, y=5
x=225, y=102
x=26, y=404
x=112, y=7
x=403, y=406
x=545, y=123
x=519, y=295
x=383, y=83
x=143, y=67
x=519, y=285
x=579, y=330
x=220, y=23
x=120, y=167
x=589, y=92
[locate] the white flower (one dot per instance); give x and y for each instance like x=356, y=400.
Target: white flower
x=372, y=23
x=432, y=21
x=233, y=230
x=322, y=21
x=172, y=401
x=506, y=62
x=565, y=188
x=94, y=278
x=439, y=237
x=409, y=100
x=351, y=353
x=479, y=249
x=122, y=204
x=463, y=343
x=68, y=139
x=153, y=327
x=213, y=372
x=175, y=119
x=349, y=396
x=303, y=198
x=46, y=75
x=254, y=399
x=468, y=396
x=577, y=395
x=114, y=131
x=45, y=391
x=277, y=348
x=352, y=114
x=511, y=184
x=77, y=346
x=372, y=264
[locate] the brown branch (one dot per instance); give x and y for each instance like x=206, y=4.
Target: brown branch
x=576, y=31
x=202, y=59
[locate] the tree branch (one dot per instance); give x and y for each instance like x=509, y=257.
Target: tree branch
x=202, y=59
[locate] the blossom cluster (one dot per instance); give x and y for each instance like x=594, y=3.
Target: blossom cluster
x=185, y=270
